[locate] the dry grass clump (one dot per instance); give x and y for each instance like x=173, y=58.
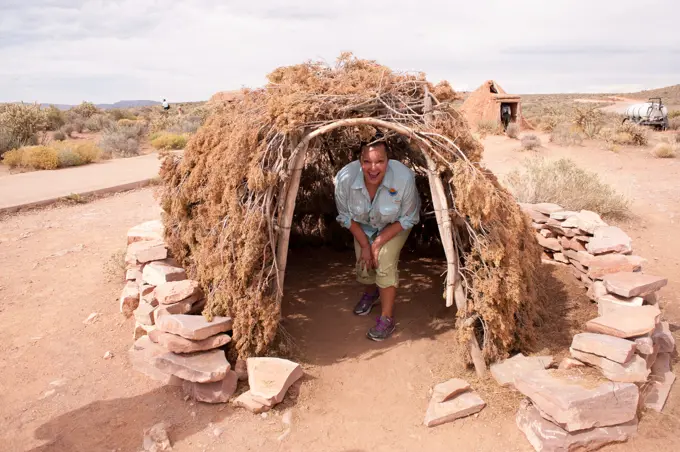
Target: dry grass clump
x=566, y=135
x=563, y=182
x=512, y=130
x=674, y=123
x=57, y=155
x=223, y=200
x=630, y=133
x=664, y=151
x=488, y=127
x=530, y=142
x=169, y=141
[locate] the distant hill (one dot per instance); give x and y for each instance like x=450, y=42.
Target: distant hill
x=119, y=104
x=668, y=94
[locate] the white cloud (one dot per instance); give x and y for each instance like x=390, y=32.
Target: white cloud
x=68, y=50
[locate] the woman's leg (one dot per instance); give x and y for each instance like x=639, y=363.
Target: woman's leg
x=365, y=276
x=387, y=280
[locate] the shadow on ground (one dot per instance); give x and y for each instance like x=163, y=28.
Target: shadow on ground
x=118, y=424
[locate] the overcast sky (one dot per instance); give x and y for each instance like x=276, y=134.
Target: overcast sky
x=66, y=51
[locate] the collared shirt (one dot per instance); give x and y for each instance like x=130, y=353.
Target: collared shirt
x=396, y=199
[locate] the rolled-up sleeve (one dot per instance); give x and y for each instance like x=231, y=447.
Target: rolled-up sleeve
x=410, y=206
x=342, y=187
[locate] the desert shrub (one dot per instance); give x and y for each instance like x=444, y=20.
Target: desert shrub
x=674, y=123
x=116, y=114
x=677, y=137
x=77, y=125
x=187, y=124
x=85, y=110
x=96, y=123
x=169, y=141
x=54, y=117
x=127, y=122
x=664, y=151
x=36, y=157
x=674, y=114
x=59, y=136
x=530, y=142
x=68, y=158
x=588, y=119
x=565, y=135
x=512, y=131
x=7, y=141
x=488, y=127
x=67, y=129
x=22, y=123
x=630, y=133
x=86, y=151
x=121, y=141
x=563, y=182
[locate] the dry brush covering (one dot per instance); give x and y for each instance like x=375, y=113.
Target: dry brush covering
x=223, y=201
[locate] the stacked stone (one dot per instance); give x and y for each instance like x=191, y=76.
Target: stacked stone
x=627, y=343
x=176, y=345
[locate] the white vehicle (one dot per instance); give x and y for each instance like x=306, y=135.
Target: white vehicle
x=652, y=113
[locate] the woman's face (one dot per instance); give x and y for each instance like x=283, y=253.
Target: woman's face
x=374, y=164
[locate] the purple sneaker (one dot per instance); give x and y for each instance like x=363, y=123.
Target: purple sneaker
x=366, y=303
x=383, y=328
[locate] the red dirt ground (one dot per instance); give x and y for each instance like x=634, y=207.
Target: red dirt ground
x=58, y=393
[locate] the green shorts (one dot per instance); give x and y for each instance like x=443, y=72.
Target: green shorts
x=387, y=273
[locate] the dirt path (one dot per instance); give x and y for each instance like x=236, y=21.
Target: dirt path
x=58, y=393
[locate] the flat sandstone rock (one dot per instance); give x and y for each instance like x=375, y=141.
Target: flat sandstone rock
x=449, y=389
x=129, y=298
x=577, y=403
x=141, y=356
x=461, y=406
x=609, y=239
x=610, y=347
x=606, y=264
x=656, y=394
x=201, y=367
x=216, y=392
x=176, y=291
x=194, y=327
x=634, y=371
x=159, y=272
x=635, y=321
x=547, y=437
x=270, y=378
x=506, y=371
x=246, y=401
x=150, y=230
x=179, y=344
x=147, y=251
x=633, y=284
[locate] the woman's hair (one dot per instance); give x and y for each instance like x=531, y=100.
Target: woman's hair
x=377, y=140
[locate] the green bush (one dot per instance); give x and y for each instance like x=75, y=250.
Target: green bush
x=121, y=141
x=562, y=182
x=169, y=141
x=54, y=117
x=58, y=136
x=22, y=123
x=87, y=151
x=68, y=158
x=85, y=110
x=7, y=141
x=674, y=114
x=96, y=123
x=117, y=114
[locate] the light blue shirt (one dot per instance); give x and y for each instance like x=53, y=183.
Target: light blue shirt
x=396, y=199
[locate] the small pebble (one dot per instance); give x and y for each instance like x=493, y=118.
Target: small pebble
x=108, y=355
x=264, y=415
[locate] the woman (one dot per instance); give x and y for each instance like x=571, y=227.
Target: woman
x=378, y=202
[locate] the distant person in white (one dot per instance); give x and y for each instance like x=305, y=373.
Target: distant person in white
x=166, y=105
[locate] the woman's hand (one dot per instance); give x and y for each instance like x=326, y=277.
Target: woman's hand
x=375, y=250
x=366, y=259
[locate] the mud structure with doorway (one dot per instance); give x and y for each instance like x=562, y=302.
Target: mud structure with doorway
x=258, y=178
